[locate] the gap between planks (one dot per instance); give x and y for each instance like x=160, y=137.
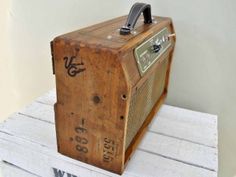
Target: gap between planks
x=19, y=168
x=182, y=139
x=177, y=160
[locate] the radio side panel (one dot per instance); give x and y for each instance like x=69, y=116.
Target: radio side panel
x=92, y=104
x=148, y=91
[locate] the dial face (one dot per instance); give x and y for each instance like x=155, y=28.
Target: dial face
x=147, y=53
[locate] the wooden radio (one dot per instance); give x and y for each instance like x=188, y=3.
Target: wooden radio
x=111, y=80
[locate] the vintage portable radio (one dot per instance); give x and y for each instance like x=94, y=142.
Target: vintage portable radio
x=111, y=80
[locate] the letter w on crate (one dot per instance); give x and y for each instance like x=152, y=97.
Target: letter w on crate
x=111, y=79
x=60, y=173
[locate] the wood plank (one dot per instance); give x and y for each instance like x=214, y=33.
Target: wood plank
x=148, y=165
x=40, y=160
x=25, y=154
x=90, y=112
x=30, y=129
x=9, y=170
x=187, y=125
x=180, y=150
x=39, y=111
x=187, y=152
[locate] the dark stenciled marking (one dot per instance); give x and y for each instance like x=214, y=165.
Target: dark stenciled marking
x=82, y=149
x=60, y=173
x=80, y=129
x=80, y=140
x=108, y=150
x=73, y=68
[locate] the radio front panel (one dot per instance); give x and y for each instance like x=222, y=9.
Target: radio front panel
x=149, y=52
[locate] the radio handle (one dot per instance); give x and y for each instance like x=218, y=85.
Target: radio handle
x=133, y=16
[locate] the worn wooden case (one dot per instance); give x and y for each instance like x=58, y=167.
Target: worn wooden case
x=104, y=104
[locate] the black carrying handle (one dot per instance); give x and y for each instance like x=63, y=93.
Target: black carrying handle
x=133, y=16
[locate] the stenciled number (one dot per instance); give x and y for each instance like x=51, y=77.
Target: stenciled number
x=81, y=148
x=80, y=130
x=81, y=140
x=108, y=150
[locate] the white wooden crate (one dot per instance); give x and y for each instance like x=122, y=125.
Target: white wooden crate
x=179, y=143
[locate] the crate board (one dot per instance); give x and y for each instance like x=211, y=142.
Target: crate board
x=11, y=170
x=179, y=142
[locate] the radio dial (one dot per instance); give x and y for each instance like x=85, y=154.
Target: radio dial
x=156, y=48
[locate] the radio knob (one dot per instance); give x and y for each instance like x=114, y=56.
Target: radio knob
x=156, y=48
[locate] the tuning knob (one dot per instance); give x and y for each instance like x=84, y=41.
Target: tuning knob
x=156, y=48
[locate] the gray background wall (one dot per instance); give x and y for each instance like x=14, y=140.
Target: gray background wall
x=203, y=72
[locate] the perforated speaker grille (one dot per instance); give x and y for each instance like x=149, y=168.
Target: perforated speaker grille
x=144, y=99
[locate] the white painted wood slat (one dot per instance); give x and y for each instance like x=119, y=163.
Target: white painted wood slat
x=186, y=124
x=10, y=170
x=142, y=164
x=180, y=150
x=187, y=152
x=179, y=142
x=39, y=111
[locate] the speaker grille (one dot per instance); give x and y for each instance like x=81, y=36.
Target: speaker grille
x=144, y=99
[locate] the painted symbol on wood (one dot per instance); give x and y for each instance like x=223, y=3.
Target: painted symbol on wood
x=72, y=67
x=60, y=173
